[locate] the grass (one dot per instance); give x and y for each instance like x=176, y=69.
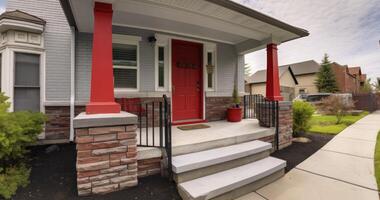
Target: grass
x=377, y=160
x=326, y=124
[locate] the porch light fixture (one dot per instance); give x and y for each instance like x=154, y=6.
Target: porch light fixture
x=152, y=40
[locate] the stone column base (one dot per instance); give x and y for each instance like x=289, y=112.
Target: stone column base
x=285, y=127
x=106, y=152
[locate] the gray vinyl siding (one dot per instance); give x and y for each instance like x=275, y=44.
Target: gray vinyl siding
x=83, y=58
x=226, y=62
x=57, y=44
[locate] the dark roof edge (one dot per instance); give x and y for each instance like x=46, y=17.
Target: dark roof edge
x=293, y=76
x=41, y=22
x=255, y=14
x=65, y=4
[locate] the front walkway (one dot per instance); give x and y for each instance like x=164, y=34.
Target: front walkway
x=342, y=169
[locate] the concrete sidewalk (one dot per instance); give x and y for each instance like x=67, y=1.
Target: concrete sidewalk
x=342, y=169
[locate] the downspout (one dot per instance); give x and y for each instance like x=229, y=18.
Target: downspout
x=72, y=85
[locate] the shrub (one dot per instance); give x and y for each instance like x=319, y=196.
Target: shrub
x=336, y=105
x=17, y=131
x=12, y=178
x=302, y=113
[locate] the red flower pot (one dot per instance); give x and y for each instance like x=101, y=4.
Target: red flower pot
x=234, y=114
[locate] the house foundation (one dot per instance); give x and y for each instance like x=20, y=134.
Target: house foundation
x=106, y=152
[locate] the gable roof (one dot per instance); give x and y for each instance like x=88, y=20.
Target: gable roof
x=296, y=69
x=355, y=70
x=305, y=67
x=22, y=16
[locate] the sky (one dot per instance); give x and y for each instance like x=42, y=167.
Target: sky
x=347, y=30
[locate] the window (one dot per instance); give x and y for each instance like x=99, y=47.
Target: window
x=125, y=62
x=209, y=73
x=27, y=82
x=161, y=67
x=210, y=60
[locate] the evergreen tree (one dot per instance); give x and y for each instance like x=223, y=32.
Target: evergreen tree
x=326, y=81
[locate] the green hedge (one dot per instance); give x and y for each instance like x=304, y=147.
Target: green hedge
x=17, y=131
x=302, y=113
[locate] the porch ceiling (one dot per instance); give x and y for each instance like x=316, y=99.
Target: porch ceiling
x=216, y=20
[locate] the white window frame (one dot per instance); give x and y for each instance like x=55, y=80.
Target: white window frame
x=162, y=42
x=8, y=75
x=128, y=40
x=210, y=48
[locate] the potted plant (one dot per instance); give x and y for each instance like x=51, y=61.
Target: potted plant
x=234, y=113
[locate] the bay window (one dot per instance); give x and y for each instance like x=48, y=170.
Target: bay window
x=26, y=82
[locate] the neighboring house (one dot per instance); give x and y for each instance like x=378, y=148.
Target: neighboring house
x=295, y=78
x=256, y=84
x=349, y=79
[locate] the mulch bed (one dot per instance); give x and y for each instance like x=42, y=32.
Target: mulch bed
x=298, y=152
x=53, y=177
x=53, y=174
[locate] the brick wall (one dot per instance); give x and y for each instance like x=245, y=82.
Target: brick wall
x=58, y=123
x=216, y=107
x=106, y=159
x=147, y=167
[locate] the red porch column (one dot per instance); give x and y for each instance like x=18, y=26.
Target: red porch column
x=273, y=81
x=102, y=98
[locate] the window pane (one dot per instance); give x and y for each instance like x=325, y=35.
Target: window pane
x=209, y=58
x=27, y=69
x=125, y=78
x=161, y=67
x=209, y=80
x=124, y=55
x=27, y=99
x=161, y=77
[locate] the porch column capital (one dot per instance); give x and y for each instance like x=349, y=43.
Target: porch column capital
x=273, y=79
x=102, y=98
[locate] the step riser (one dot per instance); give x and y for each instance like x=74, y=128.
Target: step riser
x=187, y=176
x=185, y=149
x=239, y=191
x=251, y=187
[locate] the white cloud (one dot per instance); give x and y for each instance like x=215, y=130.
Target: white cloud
x=348, y=30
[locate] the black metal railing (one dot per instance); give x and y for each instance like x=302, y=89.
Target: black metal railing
x=154, y=123
x=256, y=106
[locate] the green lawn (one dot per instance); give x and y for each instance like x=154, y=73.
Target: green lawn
x=326, y=124
x=377, y=160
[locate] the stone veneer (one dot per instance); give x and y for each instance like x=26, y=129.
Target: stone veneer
x=285, y=124
x=285, y=127
x=106, y=153
x=150, y=166
x=216, y=107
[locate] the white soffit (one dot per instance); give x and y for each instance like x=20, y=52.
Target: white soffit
x=197, y=18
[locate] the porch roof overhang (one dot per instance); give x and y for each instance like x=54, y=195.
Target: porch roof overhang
x=213, y=20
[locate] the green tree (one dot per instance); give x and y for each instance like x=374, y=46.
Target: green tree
x=377, y=85
x=326, y=81
x=366, y=87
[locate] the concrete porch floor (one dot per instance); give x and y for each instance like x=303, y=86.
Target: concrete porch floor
x=220, y=133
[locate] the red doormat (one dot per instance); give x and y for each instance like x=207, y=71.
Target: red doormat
x=193, y=127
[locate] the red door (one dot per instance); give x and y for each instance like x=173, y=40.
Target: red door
x=187, y=94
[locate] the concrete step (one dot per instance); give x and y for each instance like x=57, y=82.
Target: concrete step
x=194, y=165
x=234, y=182
x=211, y=141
